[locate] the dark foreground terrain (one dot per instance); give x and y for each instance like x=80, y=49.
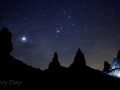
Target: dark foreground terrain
x=78, y=75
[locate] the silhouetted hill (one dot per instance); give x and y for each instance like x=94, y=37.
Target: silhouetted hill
x=11, y=68
x=78, y=75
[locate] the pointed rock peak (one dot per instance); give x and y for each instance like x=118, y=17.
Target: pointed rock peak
x=79, y=54
x=55, y=58
x=55, y=63
x=79, y=51
x=79, y=60
x=118, y=55
x=55, y=55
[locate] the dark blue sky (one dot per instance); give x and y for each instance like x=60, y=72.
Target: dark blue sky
x=62, y=26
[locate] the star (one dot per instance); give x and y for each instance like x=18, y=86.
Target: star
x=25, y=17
x=23, y=38
x=68, y=16
x=58, y=31
x=51, y=26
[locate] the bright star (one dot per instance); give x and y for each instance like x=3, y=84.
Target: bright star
x=23, y=38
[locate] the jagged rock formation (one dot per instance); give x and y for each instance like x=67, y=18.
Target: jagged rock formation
x=79, y=60
x=107, y=67
x=118, y=55
x=13, y=69
x=116, y=61
x=54, y=65
x=5, y=42
x=9, y=66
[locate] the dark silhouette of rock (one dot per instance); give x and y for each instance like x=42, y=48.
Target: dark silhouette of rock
x=116, y=61
x=79, y=60
x=5, y=42
x=9, y=66
x=107, y=67
x=54, y=65
x=118, y=55
x=80, y=76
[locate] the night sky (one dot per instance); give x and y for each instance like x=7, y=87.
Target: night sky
x=42, y=27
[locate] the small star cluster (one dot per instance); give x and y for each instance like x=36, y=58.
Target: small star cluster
x=42, y=27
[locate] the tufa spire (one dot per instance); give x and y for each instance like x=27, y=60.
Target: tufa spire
x=118, y=55
x=79, y=60
x=55, y=63
x=5, y=41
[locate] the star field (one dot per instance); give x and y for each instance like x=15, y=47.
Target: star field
x=42, y=27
